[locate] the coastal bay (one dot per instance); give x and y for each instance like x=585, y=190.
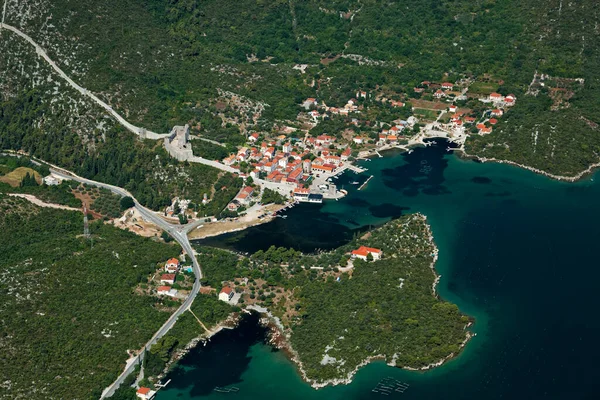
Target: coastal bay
x=516, y=252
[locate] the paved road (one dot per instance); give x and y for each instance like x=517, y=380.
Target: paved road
x=42, y=53
x=179, y=233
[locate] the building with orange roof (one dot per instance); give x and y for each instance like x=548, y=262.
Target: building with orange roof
x=226, y=294
x=145, y=393
x=363, y=251
x=172, y=265
x=167, y=279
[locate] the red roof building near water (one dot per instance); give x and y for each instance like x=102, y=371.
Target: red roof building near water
x=364, y=251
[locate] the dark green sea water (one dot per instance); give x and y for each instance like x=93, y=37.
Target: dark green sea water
x=518, y=251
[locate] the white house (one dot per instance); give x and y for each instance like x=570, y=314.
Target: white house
x=145, y=393
x=172, y=266
x=167, y=279
x=226, y=294
x=166, y=291
x=51, y=180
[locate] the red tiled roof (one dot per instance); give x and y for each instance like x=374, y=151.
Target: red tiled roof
x=493, y=121
x=364, y=251
x=226, y=290
x=143, y=390
x=167, y=277
x=173, y=261
x=163, y=288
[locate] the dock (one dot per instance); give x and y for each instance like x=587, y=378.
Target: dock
x=365, y=183
x=356, y=168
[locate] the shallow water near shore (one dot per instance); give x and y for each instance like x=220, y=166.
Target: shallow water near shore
x=517, y=252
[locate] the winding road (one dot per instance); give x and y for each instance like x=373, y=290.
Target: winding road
x=42, y=53
x=179, y=233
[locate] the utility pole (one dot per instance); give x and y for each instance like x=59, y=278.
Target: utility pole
x=86, y=228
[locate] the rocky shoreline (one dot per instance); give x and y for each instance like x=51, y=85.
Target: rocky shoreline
x=574, y=178
x=280, y=340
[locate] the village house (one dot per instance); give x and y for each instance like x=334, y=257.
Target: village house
x=439, y=94
x=172, y=266
x=361, y=94
x=447, y=86
x=453, y=108
x=310, y=102
x=253, y=138
x=497, y=112
x=324, y=140
x=395, y=103
x=358, y=140
x=362, y=252
x=51, y=180
x=325, y=168
x=331, y=159
x=167, y=279
x=166, y=291
x=495, y=97
x=226, y=294
x=315, y=115
x=493, y=121
x=485, y=130
x=145, y=393
x=346, y=154
x=233, y=206
x=243, y=197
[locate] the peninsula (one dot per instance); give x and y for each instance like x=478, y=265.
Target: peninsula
x=373, y=298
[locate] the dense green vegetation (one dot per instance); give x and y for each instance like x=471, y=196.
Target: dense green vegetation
x=385, y=308
x=168, y=66
x=143, y=168
x=272, y=196
x=381, y=308
x=69, y=311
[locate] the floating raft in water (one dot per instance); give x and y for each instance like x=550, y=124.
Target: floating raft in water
x=389, y=385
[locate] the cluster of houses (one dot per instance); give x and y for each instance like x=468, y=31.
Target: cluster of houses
x=395, y=132
x=172, y=267
x=438, y=90
x=312, y=104
x=281, y=161
x=485, y=126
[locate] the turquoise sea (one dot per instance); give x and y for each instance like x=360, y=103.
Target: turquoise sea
x=518, y=251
